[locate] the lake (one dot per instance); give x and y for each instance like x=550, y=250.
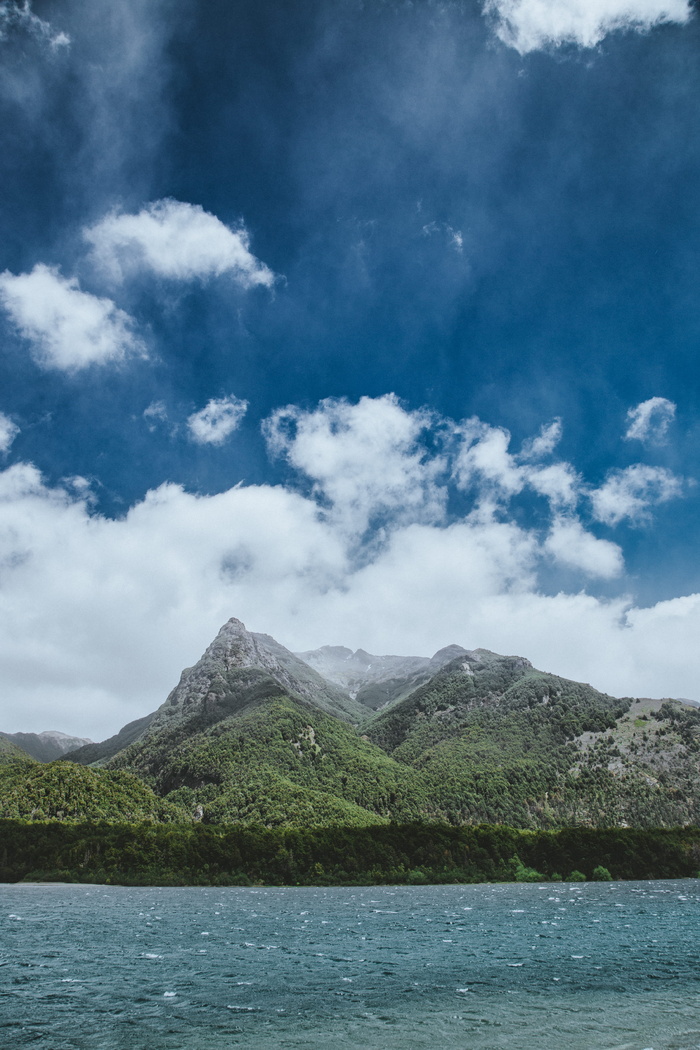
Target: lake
x=605, y=966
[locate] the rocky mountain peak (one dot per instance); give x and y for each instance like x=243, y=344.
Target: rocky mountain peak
x=448, y=653
x=235, y=648
x=336, y=652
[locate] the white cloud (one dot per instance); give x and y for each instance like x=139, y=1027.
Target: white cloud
x=484, y=461
x=364, y=459
x=15, y=15
x=178, y=241
x=529, y=25
x=570, y=545
x=8, y=432
x=629, y=493
x=219, y=418
x=69, y=329
x=545, y=442
x=106, y=609
x=649, y=421
x=155, y=413
x=559, y=482
x=98, y=616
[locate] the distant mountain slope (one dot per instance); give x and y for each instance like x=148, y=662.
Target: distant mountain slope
x=237, y=740
x=10, y=752
x=375, y=681
x=255, y=734
x=276, y=759
x=218, y=684
x=497, y=741
x=93, y=754
x=45, y=747
x=488, y=689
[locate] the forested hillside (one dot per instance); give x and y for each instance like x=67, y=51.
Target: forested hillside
x=254, y=736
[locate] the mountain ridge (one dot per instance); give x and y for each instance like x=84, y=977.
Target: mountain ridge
x=48, y=745
x=255, y=734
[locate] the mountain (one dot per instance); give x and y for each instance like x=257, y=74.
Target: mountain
x=219, y=684
x=65, y=792
x=256, y=734
x=91, y=754
x=375, y=681
x=210, y=688
x=252, y=733
x=45, y=747
x=11, y=753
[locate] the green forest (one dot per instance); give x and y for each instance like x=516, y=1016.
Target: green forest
x=173, y=855
x=482, y=769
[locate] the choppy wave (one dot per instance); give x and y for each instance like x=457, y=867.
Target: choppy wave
x=390, y=968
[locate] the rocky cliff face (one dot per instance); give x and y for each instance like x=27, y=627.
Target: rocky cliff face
x=235, y=649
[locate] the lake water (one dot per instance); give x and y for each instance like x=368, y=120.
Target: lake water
x=611, y=966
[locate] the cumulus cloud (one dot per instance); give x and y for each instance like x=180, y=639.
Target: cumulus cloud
x=630, y=493
x=529, y=25
x=649, y=421
x=68, y=329
x=559, y=482
x=544, y=443
x=365, y=460
x=178, y=241
x=485, y=466
x=485, y=463
x=219, y=418
x=98, y=616
x=572, y=546
x=484, y=460
x=8, y=432
x=16, y=16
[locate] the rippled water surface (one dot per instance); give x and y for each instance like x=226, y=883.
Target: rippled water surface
x=557, y=967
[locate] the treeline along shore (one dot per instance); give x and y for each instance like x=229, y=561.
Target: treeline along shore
x=200, y=855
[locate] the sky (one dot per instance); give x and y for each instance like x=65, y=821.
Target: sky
x=370, y=324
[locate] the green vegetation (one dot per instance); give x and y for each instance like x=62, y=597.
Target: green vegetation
x=10, y=753
x=502, y=699
x=250, y=737
x=496, y=741
x=65, y=792
x=276, y=761
x=149, y=854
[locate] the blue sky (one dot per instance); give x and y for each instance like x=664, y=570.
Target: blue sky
x=370, y=324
